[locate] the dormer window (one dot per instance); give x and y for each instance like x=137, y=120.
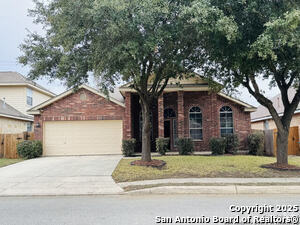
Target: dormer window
x=29, y=99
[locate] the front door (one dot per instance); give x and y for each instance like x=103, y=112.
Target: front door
x=170, y=127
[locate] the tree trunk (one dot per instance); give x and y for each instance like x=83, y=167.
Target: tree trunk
x=146, y=132
x=282, y=146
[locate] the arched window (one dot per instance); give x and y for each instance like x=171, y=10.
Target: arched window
x=226, y=121
x=195, y=115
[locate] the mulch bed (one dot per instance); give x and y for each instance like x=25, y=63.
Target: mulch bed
x=153, y=163
x=281, y=167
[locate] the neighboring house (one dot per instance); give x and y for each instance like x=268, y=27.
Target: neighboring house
x=20, y=94
x=85, y=122
x=262, y=119
x=13, y=121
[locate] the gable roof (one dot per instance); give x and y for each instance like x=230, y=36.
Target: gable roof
x=248, y=107
x=263, y=113
x=195, y=83
x=8, y=111
x=16, y=79
x=36, y=110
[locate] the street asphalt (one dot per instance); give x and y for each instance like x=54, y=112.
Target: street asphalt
x=129, y=210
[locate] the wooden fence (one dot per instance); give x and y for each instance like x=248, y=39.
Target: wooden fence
x=293, y=144
x=271, y=141
x=8, y=144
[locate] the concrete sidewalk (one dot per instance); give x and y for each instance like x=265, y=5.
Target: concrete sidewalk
x=215, y=186
x=219, y=190
x=214, y=181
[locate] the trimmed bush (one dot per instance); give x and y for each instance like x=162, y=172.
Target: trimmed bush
x=185, y=146
x=217, y=146
x=30, y=149
x=162, y=145
x=128, y=147
x=256, y=142
x=232, y=143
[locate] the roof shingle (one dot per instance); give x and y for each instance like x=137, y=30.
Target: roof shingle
x=6, y=109
x=17, y=78
x=263, y=112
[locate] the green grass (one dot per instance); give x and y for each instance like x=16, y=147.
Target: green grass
x=6, y=162
x=203, y=166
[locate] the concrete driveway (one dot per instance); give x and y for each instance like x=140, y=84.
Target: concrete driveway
x=72, y=175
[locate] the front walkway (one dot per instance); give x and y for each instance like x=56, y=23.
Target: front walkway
x=74, y=175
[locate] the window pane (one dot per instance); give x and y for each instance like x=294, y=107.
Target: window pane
x=195, y=123
x=29, y=101
x=226, y=120
x=196, y=134
x=29, y=92
x=229, y=124
x=29, y=127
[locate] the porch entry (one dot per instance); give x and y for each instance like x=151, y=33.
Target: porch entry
x=170, y=127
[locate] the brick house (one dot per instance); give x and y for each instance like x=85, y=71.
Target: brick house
x=85, y=122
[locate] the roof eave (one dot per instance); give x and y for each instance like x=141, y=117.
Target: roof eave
x=36, y=110
x=270, y=117
x=29, y=85
x=16, y=117
x=170, y=89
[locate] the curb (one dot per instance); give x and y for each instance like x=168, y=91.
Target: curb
x=218, y=190
x=215, y=181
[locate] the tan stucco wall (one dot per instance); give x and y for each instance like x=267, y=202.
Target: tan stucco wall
x=260, y=125
x=12, y=126
x=16, y=97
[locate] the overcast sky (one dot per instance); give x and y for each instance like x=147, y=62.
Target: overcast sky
x=13, y=24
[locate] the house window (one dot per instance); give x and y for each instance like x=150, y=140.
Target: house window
x=29, y=99
x=29, y=127
x=266, y=125
x=226, y=121
x=195, y=115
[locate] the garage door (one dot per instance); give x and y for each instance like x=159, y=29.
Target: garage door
x=82, y=137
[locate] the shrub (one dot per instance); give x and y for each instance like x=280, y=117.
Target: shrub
x=232, y=143
x=162, y=145
x=185, y=146
x=217, y=145
x=128, y=147
x=256, y=143
x=30, y=149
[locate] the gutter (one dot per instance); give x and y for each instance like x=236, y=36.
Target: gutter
x=16, y=117
x=270, y=117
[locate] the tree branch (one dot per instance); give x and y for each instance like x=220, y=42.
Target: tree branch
x=279, y=78
x=262, y=99
x=289, y=112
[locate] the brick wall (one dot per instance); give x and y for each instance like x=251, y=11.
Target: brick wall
x=210, y=105
x=82, y=105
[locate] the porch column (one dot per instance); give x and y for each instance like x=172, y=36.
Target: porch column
x=180, y=116
x=160, y=106
x=214, y=116
x=127, y=120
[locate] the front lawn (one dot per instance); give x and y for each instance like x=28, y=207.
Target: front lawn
x=203, y=166
x=6, y=162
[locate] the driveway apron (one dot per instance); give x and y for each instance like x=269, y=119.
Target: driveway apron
x=72, y=175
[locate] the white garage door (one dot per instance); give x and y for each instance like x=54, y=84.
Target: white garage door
x=82, y=137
